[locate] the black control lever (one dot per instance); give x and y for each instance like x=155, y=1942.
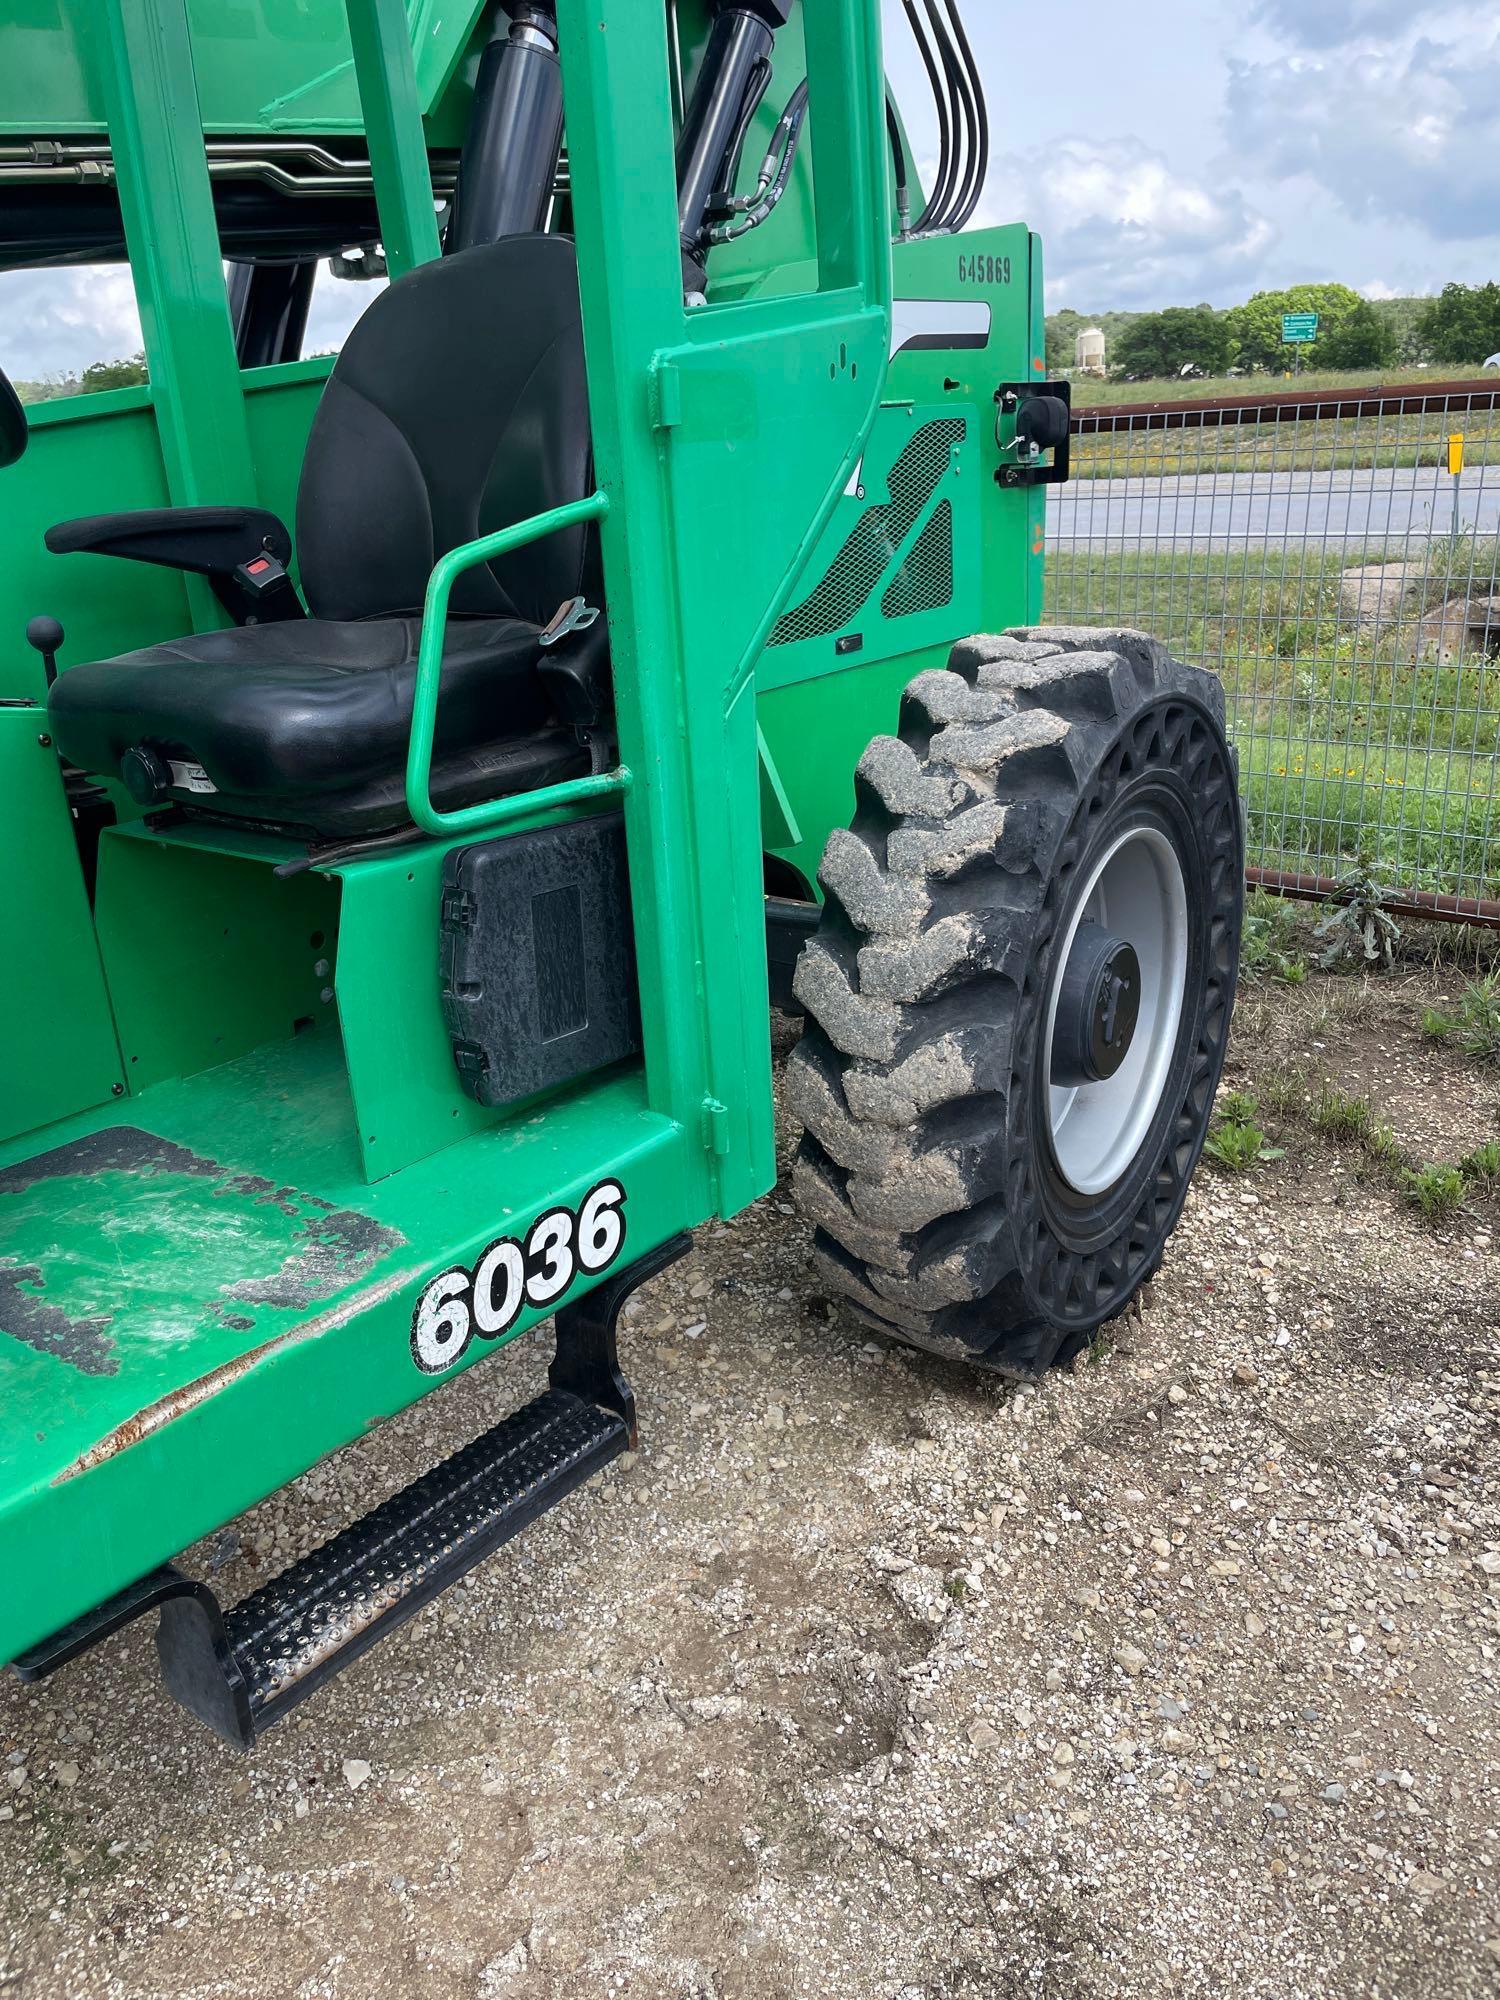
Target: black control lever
x=46, y=635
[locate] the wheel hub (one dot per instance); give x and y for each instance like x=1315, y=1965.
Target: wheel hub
x=1115, y=1008
x=1098, y=1006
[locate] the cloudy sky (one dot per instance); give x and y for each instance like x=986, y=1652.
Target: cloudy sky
x=1167, y=155
x=1208, y=150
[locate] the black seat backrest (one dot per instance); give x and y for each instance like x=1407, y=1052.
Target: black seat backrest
x=458, y=406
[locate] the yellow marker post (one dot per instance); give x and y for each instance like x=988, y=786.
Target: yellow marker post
x=1455, y=471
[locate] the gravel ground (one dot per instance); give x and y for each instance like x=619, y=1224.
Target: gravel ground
x=1173, y=1676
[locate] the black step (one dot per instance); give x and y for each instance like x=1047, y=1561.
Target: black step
x=242, y=1669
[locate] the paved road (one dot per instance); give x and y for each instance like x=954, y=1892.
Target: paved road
x=1199, y=509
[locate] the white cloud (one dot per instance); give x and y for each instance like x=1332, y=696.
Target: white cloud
x=336, y=304
x=1322, y=24
x=57, y=322
x=1406, y=132
x=1122, y=227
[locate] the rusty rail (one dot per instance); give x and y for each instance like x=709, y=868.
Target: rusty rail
x=1431, y=905
x=1400, y=399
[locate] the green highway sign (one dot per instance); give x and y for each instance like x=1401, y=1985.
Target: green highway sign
x=1297, y=327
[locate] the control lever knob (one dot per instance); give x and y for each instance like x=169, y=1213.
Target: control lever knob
x=46, y=635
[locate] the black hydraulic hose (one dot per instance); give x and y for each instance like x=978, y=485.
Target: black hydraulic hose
x=898, y=163
x=963, y=79
x=775, y=173
x=793, y=119
x=950, y=111
x=963, y=115
x=755, y=90
x=960, y=165
x=981, y=114
x=929, y=63
x=789, y=126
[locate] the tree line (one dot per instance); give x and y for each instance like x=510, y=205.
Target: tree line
x=122, y=374
x=1461, y=325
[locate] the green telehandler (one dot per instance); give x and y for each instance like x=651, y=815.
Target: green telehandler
x=396, y=897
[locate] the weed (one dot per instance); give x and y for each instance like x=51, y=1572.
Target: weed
x=1474, y=1024
x=1461, y=566
x=957, y=1588
x=1269, y=939
x=1337, y=1116
x=1333, y=1114
x=1236, y=1142
x=1438, y=1191
x=1238, y=1108
x=1285, y=1090
x=1360, y=927
x=1482, y=1166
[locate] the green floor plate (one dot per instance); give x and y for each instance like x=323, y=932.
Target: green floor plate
x=200, y=1294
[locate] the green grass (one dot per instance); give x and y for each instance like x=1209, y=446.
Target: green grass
x=1481, y=1168
x=1349, y=746
x=1328, y=443
x=1089, y=394
x=1473, y=1025
x=1438, y=1191
x=1332, y=444
x=1338, y=1116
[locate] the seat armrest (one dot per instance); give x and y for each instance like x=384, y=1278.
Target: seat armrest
x=243, y=551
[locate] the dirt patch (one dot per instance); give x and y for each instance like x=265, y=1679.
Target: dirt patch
x=871, y=1678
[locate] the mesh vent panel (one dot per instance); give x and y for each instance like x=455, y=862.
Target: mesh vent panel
x=924, y=581
x=875, y=538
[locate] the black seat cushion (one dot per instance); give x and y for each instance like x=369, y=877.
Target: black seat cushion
x=309, y=706
x=457, y=406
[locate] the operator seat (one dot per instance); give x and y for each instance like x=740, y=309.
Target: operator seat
x=458, y=406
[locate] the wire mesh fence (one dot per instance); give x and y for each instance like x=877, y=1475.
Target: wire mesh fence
x=1335, y=557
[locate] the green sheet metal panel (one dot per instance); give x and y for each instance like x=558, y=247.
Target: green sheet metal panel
x=899, y=567
x=755, y=421
x=101, y=454
x=88, y=455
x=891, y=576
x=220, y=1298
x=261, y=68
x=408, y=1099
x=57, y=1040
x=208, y=953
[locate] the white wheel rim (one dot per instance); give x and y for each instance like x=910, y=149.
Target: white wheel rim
x=1136, y=892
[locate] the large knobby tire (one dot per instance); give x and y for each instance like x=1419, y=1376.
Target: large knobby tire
x=1052, y=795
